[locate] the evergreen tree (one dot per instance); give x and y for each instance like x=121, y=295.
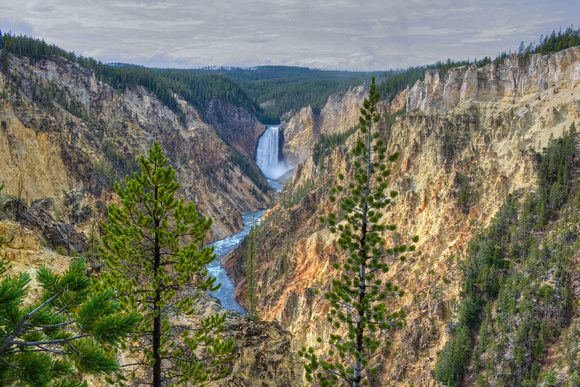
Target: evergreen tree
x=155, y=261
x=4, y=58
x=251, y=268
x=70, y=331
x=4, y=264
x=358, y=299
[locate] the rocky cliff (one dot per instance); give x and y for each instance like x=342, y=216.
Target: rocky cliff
x=64, y=131
x=236, y=126
x=535, y=76
x=299, y=135
x=340, y=112
x=468, y=139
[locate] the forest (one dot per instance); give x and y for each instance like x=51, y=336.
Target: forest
x=267, y=92
x=519, y=267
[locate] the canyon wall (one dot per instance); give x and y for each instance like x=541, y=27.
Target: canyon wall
x=236, y=126
x=467, y=130
x=340, y=113
x=64, y=131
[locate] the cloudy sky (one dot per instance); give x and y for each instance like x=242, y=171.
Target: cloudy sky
x=332, y=34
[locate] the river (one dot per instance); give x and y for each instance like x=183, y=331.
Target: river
x=226, y=292
x=267, y=159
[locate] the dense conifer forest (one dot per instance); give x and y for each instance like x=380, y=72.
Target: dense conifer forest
x=287, y=88
x=519, y=267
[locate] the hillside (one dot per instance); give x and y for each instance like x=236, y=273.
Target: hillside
x=67, y=136
x=470, y=138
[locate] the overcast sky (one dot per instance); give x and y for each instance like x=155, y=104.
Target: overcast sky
x=332, y=34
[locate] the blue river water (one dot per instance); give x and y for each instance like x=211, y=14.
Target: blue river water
x=226, y=292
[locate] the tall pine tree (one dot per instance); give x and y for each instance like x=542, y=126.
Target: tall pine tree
x=155, y=260
x=359, y=298
x=251, y=269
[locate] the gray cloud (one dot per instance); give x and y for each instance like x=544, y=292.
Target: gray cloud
x=339, y=34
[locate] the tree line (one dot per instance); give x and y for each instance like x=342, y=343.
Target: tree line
x=292, y=88
x=197, y=89
x=397, y=82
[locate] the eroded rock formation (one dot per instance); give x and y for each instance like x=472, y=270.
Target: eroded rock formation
x=471, y=130
x=338, y=115
x=63, y=130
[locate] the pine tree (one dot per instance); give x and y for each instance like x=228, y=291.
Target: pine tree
x=152, y=246
x=251, y=269
x=72, y=330
x=358, y=299
x=4, y=264
x=4, y=57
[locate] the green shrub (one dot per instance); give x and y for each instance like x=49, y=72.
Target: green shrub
x=546, y=291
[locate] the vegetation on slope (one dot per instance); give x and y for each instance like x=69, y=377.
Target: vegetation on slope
x=517, y=282
x=197, y=89
x=291, y=88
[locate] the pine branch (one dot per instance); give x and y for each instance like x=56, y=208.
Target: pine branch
x=10, y=364
x=24, y=320
x=44, y=342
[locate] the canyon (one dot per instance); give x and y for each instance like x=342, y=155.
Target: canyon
x=66, y=138
x=56, y=152
x=471, y=129
x=468, y=138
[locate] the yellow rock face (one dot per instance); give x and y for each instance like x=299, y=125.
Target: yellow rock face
x=49, y=152
x=26, y=254
x=34, y=157
x=481, y=125
x=338, y=115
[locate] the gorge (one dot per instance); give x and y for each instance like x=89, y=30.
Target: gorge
x=468, y=138
x=477, y=178
x=226, y=292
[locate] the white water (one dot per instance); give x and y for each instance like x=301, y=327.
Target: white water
x=267, y=156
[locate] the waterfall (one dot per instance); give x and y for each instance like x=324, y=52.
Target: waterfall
x=267, y=156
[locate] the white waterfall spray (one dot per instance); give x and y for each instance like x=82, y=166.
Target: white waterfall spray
x=267, y=156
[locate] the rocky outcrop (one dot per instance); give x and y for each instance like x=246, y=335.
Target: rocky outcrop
x=56, y=233
x=263, y=354
x=26, y=253
x=536, y=76
x=236, y=126
x=468, y=130
x=62, y=130
x=299, y=136
x=338, y=115
x=342, y=110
